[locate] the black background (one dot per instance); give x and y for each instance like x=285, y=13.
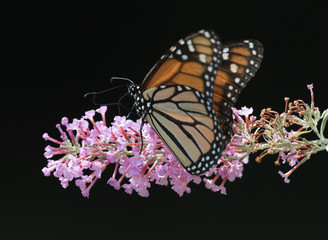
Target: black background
x=55, y=52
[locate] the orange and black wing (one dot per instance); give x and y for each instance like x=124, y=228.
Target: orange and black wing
x=192, y=61
x=186, y=122
x=240, y=61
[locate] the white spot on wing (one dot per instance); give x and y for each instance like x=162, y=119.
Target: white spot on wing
x=225, y=56
x=202, y=58
x=173, y=48
x=233, y=68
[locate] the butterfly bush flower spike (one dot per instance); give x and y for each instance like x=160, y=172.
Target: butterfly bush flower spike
x=285, y=134
x=86, y=148
x=92, y=147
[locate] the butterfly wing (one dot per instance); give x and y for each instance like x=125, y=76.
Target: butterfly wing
x=192, y=61
x=240, y=61
x=186, y=122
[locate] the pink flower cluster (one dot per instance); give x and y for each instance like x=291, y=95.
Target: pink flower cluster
x=87, y=148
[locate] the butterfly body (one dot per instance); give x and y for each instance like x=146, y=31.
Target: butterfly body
x=187, y=96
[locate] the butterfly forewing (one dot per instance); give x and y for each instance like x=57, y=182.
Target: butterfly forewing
x=192, y=61
x=240, y=61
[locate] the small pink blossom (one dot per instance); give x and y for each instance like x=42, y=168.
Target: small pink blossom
x=245, y=111
x=128, y=188
x=90, y=114
x=97, y=168
x=309, y=86
x=46, y=136
x=211, y=185
x=276, y=137
x=49, y=152
x=116, y=184
x=102, y=110
x=284, y=176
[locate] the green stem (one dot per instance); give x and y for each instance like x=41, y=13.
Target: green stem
x=315, y=145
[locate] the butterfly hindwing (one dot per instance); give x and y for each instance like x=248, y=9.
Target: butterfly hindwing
x=186, y=122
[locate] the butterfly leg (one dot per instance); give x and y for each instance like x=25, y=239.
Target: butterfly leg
x=141, y=137
x=130, y=111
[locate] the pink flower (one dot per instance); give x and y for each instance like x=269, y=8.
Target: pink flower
x=291, y=157
x=114, y=183
x=276, y=137
x=309, y=86
x=245, y=111
x=102, y=110
x=49, y=152
x=90, y=114
x=284, y=176
x=128, y=188
x=211, y=185
x=97, y=168
x=235, y=170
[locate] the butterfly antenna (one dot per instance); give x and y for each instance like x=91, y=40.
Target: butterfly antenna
x=120, y=78
x=94, y=95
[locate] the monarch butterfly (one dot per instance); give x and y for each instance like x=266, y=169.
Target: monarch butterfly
x=187, y=96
